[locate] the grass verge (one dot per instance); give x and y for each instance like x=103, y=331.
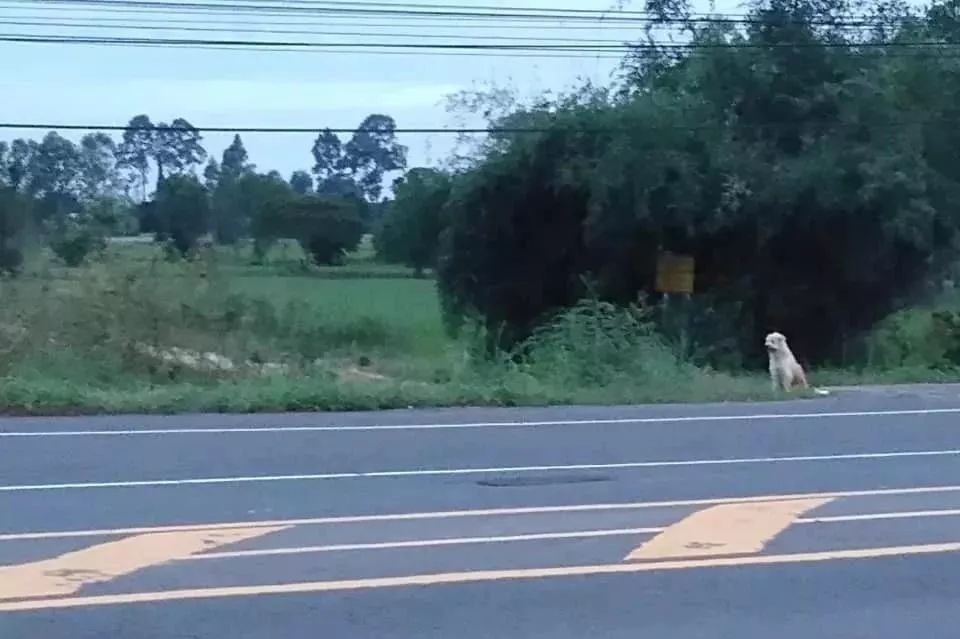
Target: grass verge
x=136, y=334
x=147, y=336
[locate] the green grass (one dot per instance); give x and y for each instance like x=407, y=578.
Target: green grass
x=71, y=341
x=386, y=315
x=49, y=396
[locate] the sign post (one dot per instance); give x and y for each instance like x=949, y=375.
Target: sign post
x=675, y=275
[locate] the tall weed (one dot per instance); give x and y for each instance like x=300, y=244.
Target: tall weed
x=595, y=343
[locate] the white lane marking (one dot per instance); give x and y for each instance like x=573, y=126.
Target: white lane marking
x=580, y=534
x=468, y=425
x=426, y=472
x=487, y=512
x=420, y=543
x=472, y=577
x=906, y=514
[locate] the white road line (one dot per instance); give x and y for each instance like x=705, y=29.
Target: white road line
x=472, y=577
x=906, y=514
x=487, y=512
x=420, y=543
x=426, y=472
x=469, y=425
x=580, y=534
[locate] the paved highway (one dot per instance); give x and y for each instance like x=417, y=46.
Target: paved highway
x=838, y=516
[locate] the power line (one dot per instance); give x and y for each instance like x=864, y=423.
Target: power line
x=476, y=20
x=161, y=24
x=525, y=51
x=418, y=6
x=374, y=52
x=492, y=22
x=601, y=13
x=442, y=46
x=330, y=9
x=939, y=51
x=270, y=31
x=386, y=9
x=571, y=55
x=477, y=130
x=458, y=10
x=440, y=6
x=352, y=22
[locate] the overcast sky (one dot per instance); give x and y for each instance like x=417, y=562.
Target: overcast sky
x=108, y=84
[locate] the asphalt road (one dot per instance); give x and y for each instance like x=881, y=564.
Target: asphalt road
x=838, y=516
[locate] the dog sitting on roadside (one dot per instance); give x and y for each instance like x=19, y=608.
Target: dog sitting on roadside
x=785, y=371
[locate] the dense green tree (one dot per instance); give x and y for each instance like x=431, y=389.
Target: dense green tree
x=14, y=219
x=327, y=156
x=56, y=167
x=136, y=149
x=231, y=209
x=235, y=161
x=54, y=177
x=359, y=167
x=261, y=195
x=372, y=153
x=99, y=176
x=784, y=161
x=301, y=182
x=325, y=227
x=211, y=174
x=172, y=148
x=177, y=148
x=410, y=232
x=19, y=162
x=182, y=209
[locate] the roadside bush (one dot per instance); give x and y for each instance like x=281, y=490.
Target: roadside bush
x=11, y=260
x=75, y=238
x=595, y=343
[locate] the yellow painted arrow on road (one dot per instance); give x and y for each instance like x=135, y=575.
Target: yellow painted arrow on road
x=68, y=573
x=726, y=529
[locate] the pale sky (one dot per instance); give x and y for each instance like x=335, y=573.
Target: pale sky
x=75, y=83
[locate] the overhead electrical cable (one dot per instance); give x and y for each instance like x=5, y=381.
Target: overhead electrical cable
x=475, y=130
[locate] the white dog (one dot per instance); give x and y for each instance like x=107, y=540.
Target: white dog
x=785, y=371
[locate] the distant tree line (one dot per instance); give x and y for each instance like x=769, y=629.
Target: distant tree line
x=74, y=194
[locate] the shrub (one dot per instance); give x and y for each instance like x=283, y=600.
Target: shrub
x=14, y=216
x=595, y=343
x=326, y=227
x=74, y=238
x=182, y=210
x=11, y=260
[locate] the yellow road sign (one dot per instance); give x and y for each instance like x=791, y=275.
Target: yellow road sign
x=675, y=273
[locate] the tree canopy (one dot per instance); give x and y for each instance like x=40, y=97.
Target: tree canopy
x=358, y=168
x=325, y=227
x=410, y=231
x=812, y=177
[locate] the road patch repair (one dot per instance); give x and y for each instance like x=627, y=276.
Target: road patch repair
x=731, y=532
